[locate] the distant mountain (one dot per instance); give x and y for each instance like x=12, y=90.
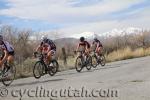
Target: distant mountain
x=114, y=32
x=122, y=32
x=66, y=41
x=85, y=34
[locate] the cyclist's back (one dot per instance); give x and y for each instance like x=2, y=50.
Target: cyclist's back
x=8, y=47
x=97, y=43
x=99, y=47
x=84, y=44
x=8, y=52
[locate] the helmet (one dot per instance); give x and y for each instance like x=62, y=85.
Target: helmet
x=1, y=38
x=95, y=39
x=44, y=38
x=82, y=39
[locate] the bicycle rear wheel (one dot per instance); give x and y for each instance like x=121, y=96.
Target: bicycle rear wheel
x=9, y=73
x=53, y=67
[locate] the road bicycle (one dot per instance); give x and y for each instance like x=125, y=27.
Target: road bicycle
x=83, y=61
x=41, y=68
x=98, y=59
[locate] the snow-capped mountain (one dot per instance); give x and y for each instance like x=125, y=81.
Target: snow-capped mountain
x=91, y=35
x=85, y=34
x=122, y=32
x=112, y=33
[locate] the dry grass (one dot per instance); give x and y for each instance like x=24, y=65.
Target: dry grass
x=25, y=69
x=127, y=53
x=70, y=64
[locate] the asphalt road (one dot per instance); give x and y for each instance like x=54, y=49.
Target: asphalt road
x=122, y=80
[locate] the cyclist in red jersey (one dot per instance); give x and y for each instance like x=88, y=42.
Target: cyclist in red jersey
x=84, y=45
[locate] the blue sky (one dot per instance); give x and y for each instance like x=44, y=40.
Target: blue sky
x=75, y=16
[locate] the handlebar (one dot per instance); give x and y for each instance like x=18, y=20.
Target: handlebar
x=80, y=51
x=39, y=55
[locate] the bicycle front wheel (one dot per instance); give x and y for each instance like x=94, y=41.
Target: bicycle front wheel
x=8, y=75
x=38, y=69
x=78, y=64
x=89, y=64
x=94, y=61
x=102, y=60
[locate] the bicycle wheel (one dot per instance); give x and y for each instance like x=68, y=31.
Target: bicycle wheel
x=78, y=64
x=8, y=75
x=94, y=61
x=53, y=67
x=38, y=69
x=89, y=63
x=102, y=60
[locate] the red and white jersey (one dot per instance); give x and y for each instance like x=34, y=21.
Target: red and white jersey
x=7, y=46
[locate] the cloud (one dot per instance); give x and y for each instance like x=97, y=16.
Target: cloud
x=64, y=10
x=76, y=16
x=138, y=19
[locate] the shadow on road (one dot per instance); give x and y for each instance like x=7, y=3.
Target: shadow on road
x=35, y=82
x=72, y=73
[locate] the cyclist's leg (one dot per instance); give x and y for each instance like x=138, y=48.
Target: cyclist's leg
x=99, y=51
x=82, y=49
x=10, y=59
x=49, y=56
x=87, y=52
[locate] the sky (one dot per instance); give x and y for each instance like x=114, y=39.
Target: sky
x=70, y=17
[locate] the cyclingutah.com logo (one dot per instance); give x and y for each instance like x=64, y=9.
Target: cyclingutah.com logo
x=3, y=92
x=70, y=92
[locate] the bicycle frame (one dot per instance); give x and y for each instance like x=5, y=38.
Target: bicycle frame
x=82, y=58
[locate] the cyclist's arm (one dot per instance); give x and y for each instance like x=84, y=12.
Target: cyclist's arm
x=39, y=48
x=86, y=47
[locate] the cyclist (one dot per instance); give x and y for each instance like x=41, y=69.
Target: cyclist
x=47, y=47
x=84, y=45
x=8, y=51
x=98, y=46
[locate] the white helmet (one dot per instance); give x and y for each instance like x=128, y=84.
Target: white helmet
x=44, y=38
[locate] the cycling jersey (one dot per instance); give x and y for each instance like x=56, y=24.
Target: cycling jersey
x=7, y=46
x=98, y=43
x=84, y=44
